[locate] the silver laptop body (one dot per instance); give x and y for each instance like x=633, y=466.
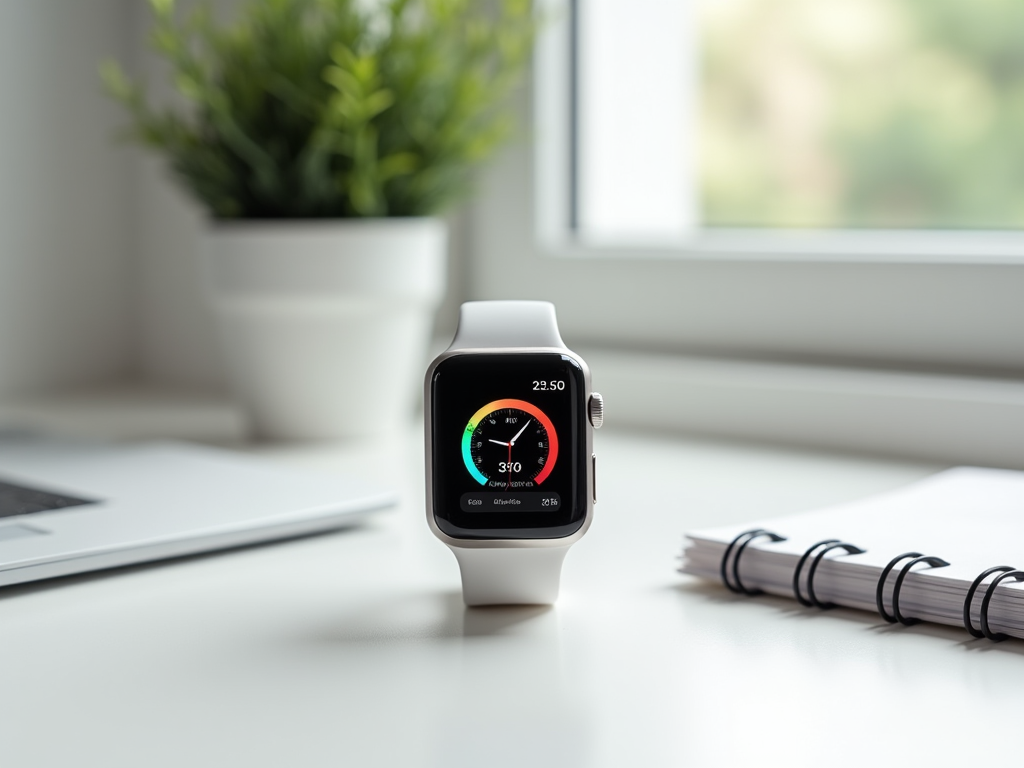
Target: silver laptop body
x=68, y=507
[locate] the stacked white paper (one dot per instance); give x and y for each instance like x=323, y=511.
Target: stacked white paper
x=973, y=518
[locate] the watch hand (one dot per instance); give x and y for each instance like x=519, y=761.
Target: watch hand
x=499, y=442
x=513, y=440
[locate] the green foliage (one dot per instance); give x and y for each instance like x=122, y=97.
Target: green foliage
x=332, y=108
x=863, y=113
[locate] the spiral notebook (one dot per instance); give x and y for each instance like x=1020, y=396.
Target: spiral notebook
x=945, y=549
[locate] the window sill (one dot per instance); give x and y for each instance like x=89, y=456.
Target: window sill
x=954, y=419
x=942, y=418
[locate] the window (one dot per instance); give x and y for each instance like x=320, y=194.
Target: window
x=659, y=278
x=796, y=114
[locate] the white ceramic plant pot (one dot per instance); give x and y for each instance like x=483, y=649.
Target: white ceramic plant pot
x=325, y=325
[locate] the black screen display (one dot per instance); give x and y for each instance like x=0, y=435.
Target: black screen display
x=508, y=448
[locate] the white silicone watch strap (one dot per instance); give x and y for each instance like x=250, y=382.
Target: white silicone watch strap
x=509, y=575
x=485, y=324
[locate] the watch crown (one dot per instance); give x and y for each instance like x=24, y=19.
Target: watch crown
x=596, y=409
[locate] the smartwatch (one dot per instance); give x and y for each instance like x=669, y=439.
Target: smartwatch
x=510, y=420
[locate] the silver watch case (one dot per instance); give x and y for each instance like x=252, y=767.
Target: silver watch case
x=563, y=541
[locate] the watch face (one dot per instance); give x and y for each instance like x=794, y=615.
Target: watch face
x=508, y=446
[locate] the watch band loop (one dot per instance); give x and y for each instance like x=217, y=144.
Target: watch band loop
x=510, y=576
x=497, y=324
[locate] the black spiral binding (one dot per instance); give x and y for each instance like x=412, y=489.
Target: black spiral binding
x=800, y=567
x=936, y=562
x=850, y=550
x=829, y=544
x=822, y=548
x=968, y=624
x=996, y=637
x=881, y=584
x=740, y=544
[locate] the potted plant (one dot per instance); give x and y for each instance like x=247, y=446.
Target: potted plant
x=322, y=137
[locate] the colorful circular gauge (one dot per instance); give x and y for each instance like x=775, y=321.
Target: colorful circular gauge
x=510, y=444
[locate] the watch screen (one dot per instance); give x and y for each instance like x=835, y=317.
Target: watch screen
x=508, y=459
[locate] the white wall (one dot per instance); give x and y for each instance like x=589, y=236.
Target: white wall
x=66, y=215
x=177, y=344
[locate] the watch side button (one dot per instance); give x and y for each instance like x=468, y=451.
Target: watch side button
x=593, y=474
x=595, y=409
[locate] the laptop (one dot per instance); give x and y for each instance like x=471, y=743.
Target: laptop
x=68, y=507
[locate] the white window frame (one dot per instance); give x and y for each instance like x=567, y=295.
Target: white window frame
x=935, y=301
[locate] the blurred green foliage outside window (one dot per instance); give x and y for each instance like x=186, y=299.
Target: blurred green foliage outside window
x=862, y=113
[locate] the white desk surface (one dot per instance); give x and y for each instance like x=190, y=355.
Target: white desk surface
x=354, y=649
